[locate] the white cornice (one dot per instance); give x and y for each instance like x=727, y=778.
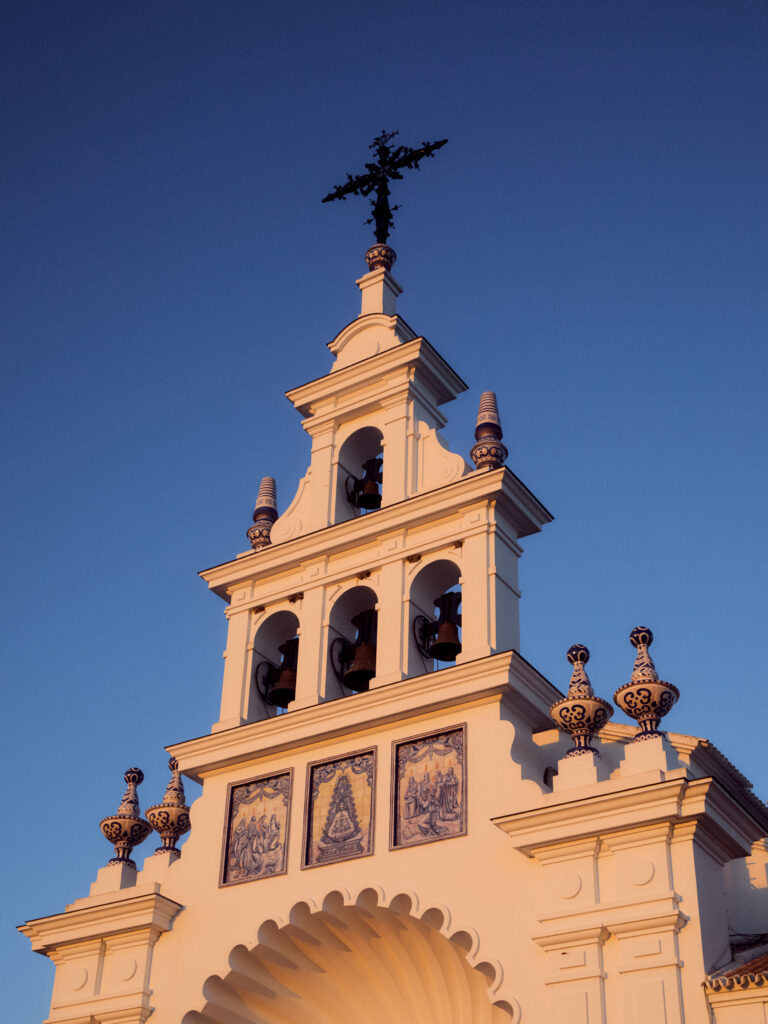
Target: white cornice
x=522, y=510
x=150, y=910
x=727, y=826
x=418, y=353
x=503, y=676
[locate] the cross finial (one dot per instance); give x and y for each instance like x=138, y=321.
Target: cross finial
x=391, y=160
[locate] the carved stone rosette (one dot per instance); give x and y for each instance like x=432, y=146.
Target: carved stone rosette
x=646, y=698
x=264, y=514
x=170, y=819
x=580, y=713
x=126, y=828
x=380, y=256
x=488, y=451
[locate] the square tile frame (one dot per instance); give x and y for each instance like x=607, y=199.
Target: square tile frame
x=395, y=787
x=373, y=751
x=286, y=773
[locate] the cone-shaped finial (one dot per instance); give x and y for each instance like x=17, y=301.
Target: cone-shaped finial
x=581, y=714
x=170, y=819
x=264, y=514
x=174, y=791
x=130, y=802
x=646, y=698
x=267, y=496
x=644, y=670
x=488, y=451
x=127, y=828
x=579, y=686
x=488, y=412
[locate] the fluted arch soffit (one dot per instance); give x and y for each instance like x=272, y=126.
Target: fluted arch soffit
x=358, y=962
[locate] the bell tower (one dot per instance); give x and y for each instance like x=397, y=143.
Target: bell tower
x=389, y=827
x=395, y=557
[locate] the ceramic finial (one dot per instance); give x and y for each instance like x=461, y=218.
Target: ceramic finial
x=579, y=686
x=646, y=698
x=170, y=819
x=488, y=451
x=127, y=828
x=380, y=257
x=264, y=514
x=580, y=713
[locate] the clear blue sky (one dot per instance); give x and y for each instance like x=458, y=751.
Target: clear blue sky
x=591, y=243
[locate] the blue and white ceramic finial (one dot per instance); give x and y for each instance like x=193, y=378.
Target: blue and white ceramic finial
x=264, y=514
x=580, y=713
x=488, y=452
x=646, y=698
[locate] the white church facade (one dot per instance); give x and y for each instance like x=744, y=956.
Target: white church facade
x=392, y=827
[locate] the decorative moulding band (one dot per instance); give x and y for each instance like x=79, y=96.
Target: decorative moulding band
x=499, y=676
x=525, y=513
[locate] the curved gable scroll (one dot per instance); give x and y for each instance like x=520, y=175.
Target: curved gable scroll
x=358, y=962
x=367, y=336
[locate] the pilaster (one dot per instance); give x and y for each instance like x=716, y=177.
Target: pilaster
x=235, y=685
x=310, y=609
x=393, y=631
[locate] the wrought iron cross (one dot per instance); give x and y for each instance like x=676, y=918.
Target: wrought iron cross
x=391, y=160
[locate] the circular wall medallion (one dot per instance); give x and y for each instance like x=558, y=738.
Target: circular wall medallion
x=568, y=885
x=124, y=968
x=641, y=871
x=75, y=977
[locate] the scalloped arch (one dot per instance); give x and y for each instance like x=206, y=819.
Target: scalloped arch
x=367, y=961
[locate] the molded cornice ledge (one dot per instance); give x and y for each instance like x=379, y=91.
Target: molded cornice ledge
x=522, y=509
x=697, y=806
x=151, y=912
x=505, y=676
x=443, y=380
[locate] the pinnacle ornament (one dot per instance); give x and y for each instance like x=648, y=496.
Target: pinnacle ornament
x=646, y=698
x=170, y=819
x=264, y=514
x=126, y=828
x=488, y=452
x=580, y=713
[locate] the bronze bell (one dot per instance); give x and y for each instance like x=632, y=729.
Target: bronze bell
x=446, y=645
x=363, y=662
x=365, y=493
x=283, y=689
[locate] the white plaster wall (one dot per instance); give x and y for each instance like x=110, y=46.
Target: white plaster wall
x=485, y=885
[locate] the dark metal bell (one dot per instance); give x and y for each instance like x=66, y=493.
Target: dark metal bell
x=365, y=493
x=369, y=496
x=446, y=644
x=283, y=691
x=363, y=668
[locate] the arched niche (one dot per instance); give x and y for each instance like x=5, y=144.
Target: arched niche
x=357, y=963
x=364, y=444
x=274, y=631
x=436, y=578
x=340, y=626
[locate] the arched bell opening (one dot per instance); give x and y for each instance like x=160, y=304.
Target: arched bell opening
x=359, y=474
x=275, y=657
x=434, y=617
x=352, y=644
x=359, y=964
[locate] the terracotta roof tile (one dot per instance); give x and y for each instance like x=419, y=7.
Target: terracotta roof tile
x=752, y=974
x=756, y=966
